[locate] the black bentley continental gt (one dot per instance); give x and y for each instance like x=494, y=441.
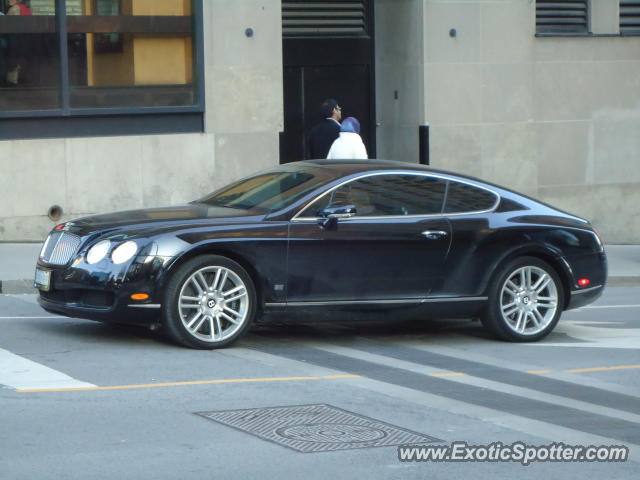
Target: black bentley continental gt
x=327, y=236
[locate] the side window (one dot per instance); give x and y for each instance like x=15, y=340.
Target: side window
x=467, y=198
x=381, y=195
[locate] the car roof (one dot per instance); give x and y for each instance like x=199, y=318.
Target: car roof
x=346, y=167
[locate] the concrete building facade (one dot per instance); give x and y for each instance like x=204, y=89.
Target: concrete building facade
x=552, y=115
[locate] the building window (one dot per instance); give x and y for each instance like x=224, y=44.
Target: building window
x=568, y=16
x=630, y=17
x=70, y=58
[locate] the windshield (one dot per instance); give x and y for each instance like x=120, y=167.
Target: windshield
x=268, y=191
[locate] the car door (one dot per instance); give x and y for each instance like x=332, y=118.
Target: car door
x=392, y=249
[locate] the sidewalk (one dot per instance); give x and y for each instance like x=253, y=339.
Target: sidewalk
x=18, y=260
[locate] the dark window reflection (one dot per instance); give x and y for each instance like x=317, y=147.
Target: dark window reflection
x=466, y=198
x=29, y=57
x=383, y=195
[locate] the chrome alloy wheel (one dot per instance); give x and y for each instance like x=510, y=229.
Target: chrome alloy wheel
x=528, y=300
x=213, y=304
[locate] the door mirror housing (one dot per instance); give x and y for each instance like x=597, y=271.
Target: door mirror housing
x=329, y=216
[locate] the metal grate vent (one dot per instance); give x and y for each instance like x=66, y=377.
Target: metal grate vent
x=568, y=16
x=324, y=18
x=59, y=248
x=316, y=428
x=630, y=17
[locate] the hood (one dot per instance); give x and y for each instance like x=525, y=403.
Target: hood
x=156, y=218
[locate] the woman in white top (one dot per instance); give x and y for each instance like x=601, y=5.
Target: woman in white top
x=349, y=144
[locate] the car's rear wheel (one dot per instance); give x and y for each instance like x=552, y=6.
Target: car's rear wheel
x=209, y=302
x=525, y=301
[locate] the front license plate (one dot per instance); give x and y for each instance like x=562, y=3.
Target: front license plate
x=43, y=279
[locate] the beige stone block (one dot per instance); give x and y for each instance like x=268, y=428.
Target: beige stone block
x=398, y=143
x=616, y=49
x=31, y=228
x=440, y=18
x=241, y=155
x=605, y=17
x=564, y=91
x=225, y=24
x=177, y=168
x=399, y=31
x=33, y=176
x=565, y=49
x=507, y=93
x=104, y=174
x=407, y=81
x=562, y=153
x=244, y=99
x=615, y=86
x=508, y=156
x=616, y=149
x=508, y=31
x=457, y=148
x=612, y=208
x=453, y=93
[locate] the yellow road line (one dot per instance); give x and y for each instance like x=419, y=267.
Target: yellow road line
x=179, y=384
x=602, y=369
x=447, y=374
x=539, y=371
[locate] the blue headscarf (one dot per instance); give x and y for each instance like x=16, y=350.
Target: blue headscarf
x=350, y=124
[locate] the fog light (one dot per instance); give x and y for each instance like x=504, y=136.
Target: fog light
x=583, y=282
x=140, y=296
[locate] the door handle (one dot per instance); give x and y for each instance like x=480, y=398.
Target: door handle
x=434, y=234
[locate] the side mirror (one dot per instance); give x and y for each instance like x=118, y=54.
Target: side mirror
x=330, y=215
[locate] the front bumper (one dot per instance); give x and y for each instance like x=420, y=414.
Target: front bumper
x=103, y=291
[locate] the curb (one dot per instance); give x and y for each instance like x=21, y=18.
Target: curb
x=17, y=286
x=14, y=287
x=623, y=281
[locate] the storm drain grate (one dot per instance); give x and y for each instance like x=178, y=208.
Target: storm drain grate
x=316, y=428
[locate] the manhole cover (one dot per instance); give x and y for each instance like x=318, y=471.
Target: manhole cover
x=316, y=428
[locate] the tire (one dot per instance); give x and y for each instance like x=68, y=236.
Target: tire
x=209, y=302
x=526, y=299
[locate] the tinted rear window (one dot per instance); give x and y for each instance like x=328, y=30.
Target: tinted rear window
x=467, y=198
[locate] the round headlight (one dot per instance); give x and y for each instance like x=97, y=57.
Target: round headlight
x=124, y=252
x=98, y=251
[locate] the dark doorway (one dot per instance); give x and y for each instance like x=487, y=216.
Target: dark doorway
x=328, y=52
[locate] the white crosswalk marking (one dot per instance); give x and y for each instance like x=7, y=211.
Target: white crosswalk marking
x=21, y=373
x=481, y=382
x=474, y=356
x=498, y=417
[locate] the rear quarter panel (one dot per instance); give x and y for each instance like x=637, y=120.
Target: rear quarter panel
x=481, y=243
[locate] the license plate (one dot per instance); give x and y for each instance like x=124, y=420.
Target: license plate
x=43, y=279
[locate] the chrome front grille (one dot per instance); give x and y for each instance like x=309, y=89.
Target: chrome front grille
x=59, y=248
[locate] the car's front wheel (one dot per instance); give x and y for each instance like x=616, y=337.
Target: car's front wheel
x=525, y=301
x=209, y=302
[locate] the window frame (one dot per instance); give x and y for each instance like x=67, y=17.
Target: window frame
x=298, y=217
x=64, y=88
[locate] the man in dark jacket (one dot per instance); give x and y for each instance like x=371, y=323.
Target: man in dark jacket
x=324, y=133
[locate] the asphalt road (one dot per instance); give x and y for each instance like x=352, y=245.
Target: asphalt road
x=85, y=400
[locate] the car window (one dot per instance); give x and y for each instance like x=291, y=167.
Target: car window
x=462, y=197
x=382, y=195
x=267, y=192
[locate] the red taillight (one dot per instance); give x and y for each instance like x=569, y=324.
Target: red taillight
x=583, y=282
x=60, y=227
